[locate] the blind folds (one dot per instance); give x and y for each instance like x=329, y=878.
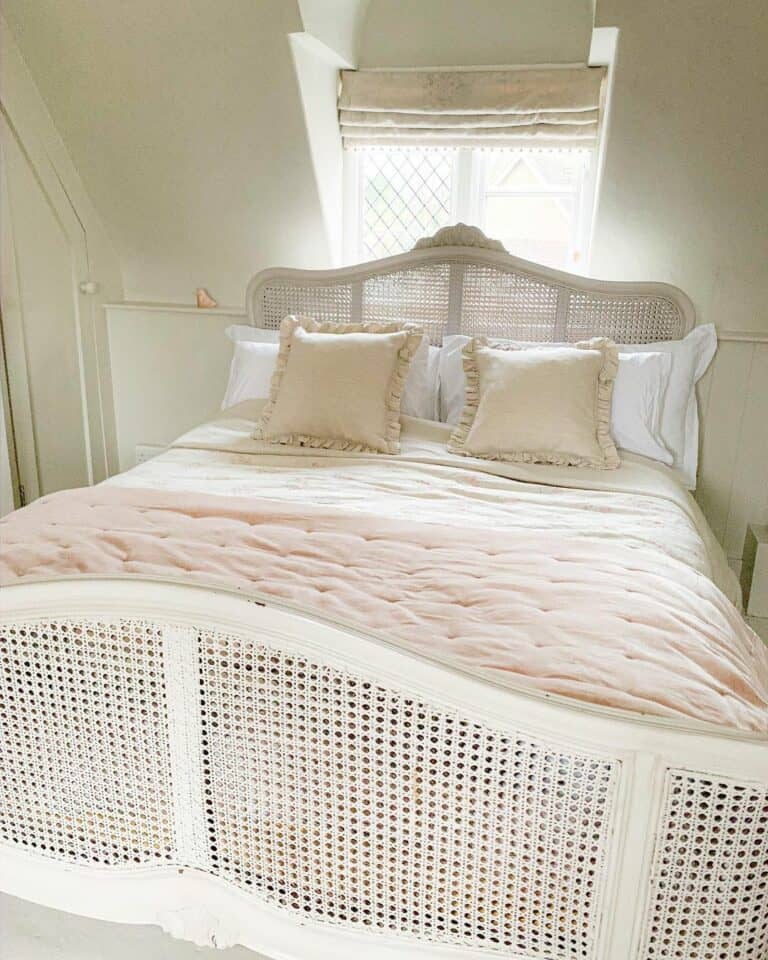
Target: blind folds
x=538, y=106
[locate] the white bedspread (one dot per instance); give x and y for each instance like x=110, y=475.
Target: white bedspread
x=641, y=503
x=595, y=585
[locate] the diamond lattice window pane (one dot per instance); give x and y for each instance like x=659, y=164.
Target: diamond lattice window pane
x=407, y=194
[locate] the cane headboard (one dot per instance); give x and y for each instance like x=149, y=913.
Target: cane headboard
x=460, y=282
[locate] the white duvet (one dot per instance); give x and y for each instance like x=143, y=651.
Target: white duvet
x=641, y=503
x=603, y=586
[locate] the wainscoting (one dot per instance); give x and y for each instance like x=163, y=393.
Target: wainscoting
x=733, y=471
x=170, y=365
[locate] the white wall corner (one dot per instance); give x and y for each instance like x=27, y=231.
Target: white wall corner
x=603, y=52
x=602, y=49
x=317, y=74
x=337, y=24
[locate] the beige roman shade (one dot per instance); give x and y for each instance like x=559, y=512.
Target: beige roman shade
x=536, y=106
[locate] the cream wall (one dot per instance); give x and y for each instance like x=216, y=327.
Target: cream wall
x=684, y=199
x=684, y=195
x=404, y=33
x=185, y=122
x=733, y=473
x=162, y=341
x=317, y=72
x=335, y=23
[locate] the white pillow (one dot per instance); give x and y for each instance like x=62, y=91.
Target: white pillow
x=240, y=332
x=420, y=398
x=255, y=354
x=680, y=415
x=638, y=403
x=638, y=395
x=253, y=363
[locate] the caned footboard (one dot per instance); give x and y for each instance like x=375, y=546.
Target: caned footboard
x=239, y=773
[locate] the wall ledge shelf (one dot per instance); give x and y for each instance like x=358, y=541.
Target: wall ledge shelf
x=145, y=305
x=743, y=336
x=739, y=336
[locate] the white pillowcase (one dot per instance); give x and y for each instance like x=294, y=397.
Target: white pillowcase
x=255, y=354
x=680, y=415
x=638, y=394
x=638, y=402
x=244, y=332
x=420, y=398
x=253, y=363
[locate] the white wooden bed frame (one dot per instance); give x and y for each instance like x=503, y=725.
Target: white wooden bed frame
x=237, y=772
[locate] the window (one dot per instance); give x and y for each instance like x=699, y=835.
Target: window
x=538, y=202
x=404, y=195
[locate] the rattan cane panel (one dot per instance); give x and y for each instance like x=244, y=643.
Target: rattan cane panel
x=462, y=295
x=622, y=319
x=500, y=303
x=419, y=295
x=85, y=773
x=709, y=896
x=332, y=302
x=352, y=804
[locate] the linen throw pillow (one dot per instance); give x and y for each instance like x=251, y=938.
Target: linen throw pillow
x=638, y=393
x=338, y=385
x=539, y=405
x=253, y=363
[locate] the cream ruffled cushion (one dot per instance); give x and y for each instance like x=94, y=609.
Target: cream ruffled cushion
x=339, y=385
x=539, y=405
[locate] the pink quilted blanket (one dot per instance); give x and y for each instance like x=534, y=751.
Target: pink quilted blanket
x=599, y=621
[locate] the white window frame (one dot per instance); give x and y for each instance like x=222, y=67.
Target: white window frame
x=467, y=202
x=353, y=199
x=352, y=203
x=581, y=233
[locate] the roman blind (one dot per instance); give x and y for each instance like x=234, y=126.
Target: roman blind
x=524, y=106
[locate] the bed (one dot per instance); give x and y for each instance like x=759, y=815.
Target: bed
x=324, y=703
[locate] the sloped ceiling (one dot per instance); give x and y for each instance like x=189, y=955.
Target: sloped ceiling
x=186, y=125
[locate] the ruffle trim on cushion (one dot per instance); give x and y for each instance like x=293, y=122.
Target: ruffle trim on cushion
x=391, y=439
x=471, y=396
x=602, y=411
x=605, y=381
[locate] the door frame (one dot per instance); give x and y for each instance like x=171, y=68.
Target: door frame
x=18, y=494
x=18, y=412
x=20, y=408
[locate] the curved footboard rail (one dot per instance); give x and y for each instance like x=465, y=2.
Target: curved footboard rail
x=240, y=773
